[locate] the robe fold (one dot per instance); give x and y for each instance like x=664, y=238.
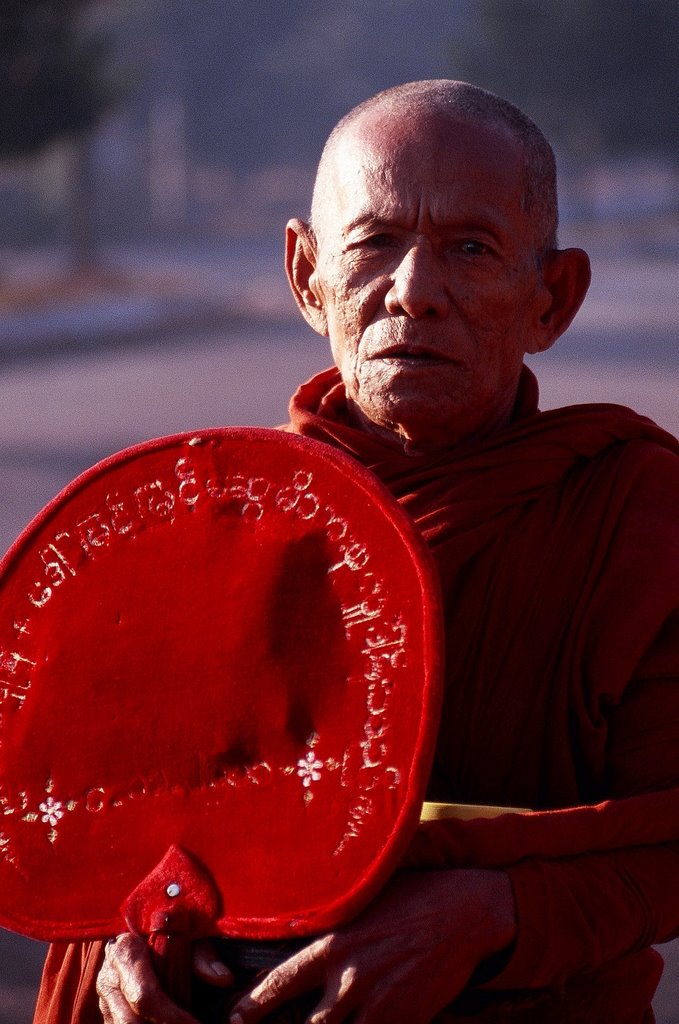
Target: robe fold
x=557, y=545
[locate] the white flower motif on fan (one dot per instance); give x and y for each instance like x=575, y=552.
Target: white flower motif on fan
x=309, y=769
x=52, y=810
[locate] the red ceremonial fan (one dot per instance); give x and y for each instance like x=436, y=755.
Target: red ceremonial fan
x=219, y=691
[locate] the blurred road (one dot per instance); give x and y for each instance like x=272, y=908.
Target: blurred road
x=59, y=415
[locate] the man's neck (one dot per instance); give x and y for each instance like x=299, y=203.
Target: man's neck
x=414, y=443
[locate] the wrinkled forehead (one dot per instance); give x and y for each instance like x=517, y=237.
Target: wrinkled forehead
x=387, y=164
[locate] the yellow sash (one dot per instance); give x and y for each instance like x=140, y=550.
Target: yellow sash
x=432, y=811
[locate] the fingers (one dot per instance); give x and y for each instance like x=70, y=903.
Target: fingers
x=128, y=989
x=338, y=999
x=301, y=973
x=209, y=967
x=114, y=1007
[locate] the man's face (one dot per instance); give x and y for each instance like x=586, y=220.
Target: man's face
x=427, y=276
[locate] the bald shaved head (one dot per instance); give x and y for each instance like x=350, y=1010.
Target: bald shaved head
x=428, y=105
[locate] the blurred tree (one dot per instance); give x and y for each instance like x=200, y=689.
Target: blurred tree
x=599, y=76
x=55, y=84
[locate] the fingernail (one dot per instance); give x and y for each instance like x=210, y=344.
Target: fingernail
x=220, y=969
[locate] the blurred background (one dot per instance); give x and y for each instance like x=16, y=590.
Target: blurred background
x=152, y=150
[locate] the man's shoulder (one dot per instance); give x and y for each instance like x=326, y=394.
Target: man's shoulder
x=608, y=430
x=616, y=464
x=640, y=503
x=650, y=473
x=645, y=458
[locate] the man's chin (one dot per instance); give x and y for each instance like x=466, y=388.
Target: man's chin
x=406, y=422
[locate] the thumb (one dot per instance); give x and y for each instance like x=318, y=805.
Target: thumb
x=208, y=966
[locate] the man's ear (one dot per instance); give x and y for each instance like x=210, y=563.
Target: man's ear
x=300, y=266
x=566, y=275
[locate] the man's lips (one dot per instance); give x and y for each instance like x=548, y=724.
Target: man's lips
x=412, y=354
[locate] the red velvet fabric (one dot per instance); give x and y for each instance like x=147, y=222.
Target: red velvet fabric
x=558, y=556
x=268, y=619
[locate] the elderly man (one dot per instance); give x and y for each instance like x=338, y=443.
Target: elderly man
x=431, y=265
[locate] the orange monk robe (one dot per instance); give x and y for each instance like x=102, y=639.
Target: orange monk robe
x=558, y=550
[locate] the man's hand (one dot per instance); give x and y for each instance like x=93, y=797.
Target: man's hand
x=129, y=991
x=404, y=959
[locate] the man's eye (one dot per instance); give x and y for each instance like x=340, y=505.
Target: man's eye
x=472, y=247
x=380, y=240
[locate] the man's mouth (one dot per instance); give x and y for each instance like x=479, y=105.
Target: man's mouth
x=416, y=356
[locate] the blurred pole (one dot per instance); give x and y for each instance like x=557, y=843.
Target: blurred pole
x=82, y=205
x=168, y=169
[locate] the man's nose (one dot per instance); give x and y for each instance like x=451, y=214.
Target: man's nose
x=419, y=287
